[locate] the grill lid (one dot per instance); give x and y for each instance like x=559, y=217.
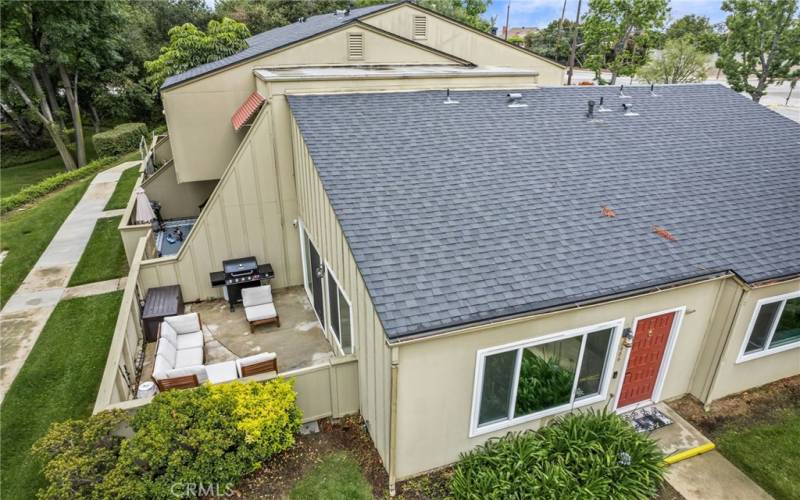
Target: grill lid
x=240, y=265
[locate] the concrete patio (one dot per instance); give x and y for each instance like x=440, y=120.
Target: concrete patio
x=298, y=342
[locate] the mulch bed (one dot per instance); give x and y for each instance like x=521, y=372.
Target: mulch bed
x=755, y=406
x=279, y=474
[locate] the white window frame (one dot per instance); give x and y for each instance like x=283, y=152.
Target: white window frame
x=329, y=272
x=304, y=234
x=766, y=351
x=480, y=357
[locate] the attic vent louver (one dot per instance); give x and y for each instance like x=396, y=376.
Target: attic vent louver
x=420, y=28
x=514, y=101
x=355, y=45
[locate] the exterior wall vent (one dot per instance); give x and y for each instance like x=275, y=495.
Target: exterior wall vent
x=355, y=46
x=420, y=28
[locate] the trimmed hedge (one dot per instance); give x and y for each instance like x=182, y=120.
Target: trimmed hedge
x=120, y=139
x=52, y=183
x=588, y=455
x=21, y=157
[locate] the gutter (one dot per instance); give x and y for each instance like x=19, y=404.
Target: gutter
x=431, y=334
x=393, y=424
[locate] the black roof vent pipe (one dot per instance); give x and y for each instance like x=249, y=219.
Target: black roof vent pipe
x=590, y=112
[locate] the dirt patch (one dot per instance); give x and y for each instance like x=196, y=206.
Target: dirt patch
x=426, y=487
x=279, y=474
x=756, y=406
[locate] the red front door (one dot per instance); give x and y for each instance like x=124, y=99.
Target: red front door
x=647, y=353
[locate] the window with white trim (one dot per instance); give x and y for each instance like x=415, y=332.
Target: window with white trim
x=775, y=326
x=339, y=314
x=544, y=376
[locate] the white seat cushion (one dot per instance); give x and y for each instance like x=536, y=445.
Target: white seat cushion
x=263, y=311
x=185, y=323
x=251, y=360
x=161, y=367
x=190, y=340
x=189, y=357
x=257, y=296
x=167, y=351
x=198, y=370
x=222, y=372
x=169, y=334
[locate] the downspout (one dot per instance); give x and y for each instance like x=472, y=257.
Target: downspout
x=393, y=423
x=718, y=358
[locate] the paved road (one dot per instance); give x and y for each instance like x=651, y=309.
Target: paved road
x=26, y=312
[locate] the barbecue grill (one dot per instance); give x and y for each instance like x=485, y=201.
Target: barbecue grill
x=240, y=273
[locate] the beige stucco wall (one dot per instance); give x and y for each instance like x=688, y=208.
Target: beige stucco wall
x=477, y=47
x=177, y=200
x=374, y=356
x=199, y=112
x=732, y=377
x=436, y=376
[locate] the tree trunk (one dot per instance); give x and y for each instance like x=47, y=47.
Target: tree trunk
x=75, y=111
x=45, y=115
x=95, y=118
x=18, y=124
x=613, y=78
x=52, y=100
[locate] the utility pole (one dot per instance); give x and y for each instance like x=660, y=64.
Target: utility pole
x=508, y=14
x=574, y=45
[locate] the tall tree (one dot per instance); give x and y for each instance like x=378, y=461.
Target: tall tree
x=681, y=61
x=617, y=34
x=57, y=40
x=763, y=41
x=189, y=47
x=263, y=15
x=553, y=41
x=699, y=30
x=469, y=12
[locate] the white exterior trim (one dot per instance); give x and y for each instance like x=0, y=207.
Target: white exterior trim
x=475, y=430
x=766, y=351
x=674, y=331
x=327, y=300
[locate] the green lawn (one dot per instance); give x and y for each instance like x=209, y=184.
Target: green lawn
x=58, y=381
x=124, y=189
x=13, y=179
x=769, y=453
x=337, y=477
x=104, y=256
x=25, y=234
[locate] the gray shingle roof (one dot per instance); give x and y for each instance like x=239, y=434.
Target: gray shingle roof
x=276, y=38
x=468, y=212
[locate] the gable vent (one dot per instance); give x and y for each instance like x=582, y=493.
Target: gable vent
x=420, y=28
x=355, y=45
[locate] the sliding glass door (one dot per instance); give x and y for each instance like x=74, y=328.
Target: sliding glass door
x=313, y=275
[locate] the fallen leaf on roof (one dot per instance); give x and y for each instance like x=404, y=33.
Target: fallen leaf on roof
x=607, y=212
x=664, y=233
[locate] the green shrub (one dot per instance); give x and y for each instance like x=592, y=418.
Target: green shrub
x=212, y=435
x=120, y=139
x=52, y=183
x=77, y=454
x=589, y=455
x=547, y=384
x=160, y=129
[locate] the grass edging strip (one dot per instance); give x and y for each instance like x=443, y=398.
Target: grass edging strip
x=58, y=381
x=122, y=192
x=104, y=255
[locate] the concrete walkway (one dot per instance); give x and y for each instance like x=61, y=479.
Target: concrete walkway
x=708, y=476
x=26, y=312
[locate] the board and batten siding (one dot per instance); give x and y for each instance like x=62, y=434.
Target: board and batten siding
x=374, y=356
x=245, y=215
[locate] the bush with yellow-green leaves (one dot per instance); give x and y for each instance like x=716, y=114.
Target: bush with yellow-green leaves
x=207, y=438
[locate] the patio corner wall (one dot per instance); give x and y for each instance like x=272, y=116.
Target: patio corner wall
x=178, y=201
x=131, y=233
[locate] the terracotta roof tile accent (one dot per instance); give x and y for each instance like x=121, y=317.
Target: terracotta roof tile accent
x=247, y=110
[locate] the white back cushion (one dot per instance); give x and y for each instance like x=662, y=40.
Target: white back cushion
x=167, y=351
x=257, y=296
x=161, y=367
x=185, y=323
x=198, y=370
x=169, y=334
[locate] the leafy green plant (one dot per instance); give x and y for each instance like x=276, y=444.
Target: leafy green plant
x=212, y=435
x=120, y=139
x=547, y=384
x=77, y=454
x=588, y=455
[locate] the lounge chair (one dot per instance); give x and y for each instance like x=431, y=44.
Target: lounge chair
x=258, y=306
x=258, y=363
x=180, y=356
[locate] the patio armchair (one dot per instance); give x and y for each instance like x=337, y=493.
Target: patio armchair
x=259, y=307
x=180, y=356
x=257, y=363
